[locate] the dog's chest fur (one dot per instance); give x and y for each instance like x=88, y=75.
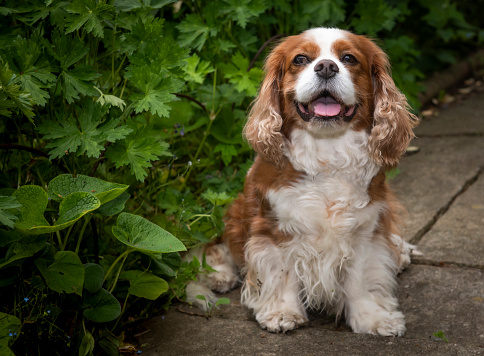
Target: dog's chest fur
x=327, y=212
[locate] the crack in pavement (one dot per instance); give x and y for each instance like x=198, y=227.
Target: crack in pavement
x=421, y=233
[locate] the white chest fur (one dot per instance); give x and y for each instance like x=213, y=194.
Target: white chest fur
x=327, y=212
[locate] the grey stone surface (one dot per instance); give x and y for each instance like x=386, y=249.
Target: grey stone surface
x=447, y=299
x=458, y=237
x=465, y=117
x=429, y=179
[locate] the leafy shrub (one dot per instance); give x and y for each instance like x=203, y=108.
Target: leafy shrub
x=150, y=98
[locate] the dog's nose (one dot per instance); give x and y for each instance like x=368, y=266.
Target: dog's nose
x=326, y=68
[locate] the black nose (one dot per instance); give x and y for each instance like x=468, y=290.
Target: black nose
x=326, y=68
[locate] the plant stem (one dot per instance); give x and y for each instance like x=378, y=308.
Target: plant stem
x=59, y=241
x=67, y=235
x=125, y=253
x=117, y=274
x=81, y=233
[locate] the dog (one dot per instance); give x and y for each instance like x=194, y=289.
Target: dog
x=317, y=225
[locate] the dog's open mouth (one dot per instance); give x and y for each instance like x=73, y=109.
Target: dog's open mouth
x=325, y=107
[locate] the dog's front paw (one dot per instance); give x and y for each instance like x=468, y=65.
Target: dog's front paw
x=392, y=324
x=378, y=322
x=280, y=321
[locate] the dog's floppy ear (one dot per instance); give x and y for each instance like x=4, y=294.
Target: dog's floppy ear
x=263, y=127
x=392, y=120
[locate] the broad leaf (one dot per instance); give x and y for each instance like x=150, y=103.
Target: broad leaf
x=27, y=246
x=144, y=236
x=115, y=206
x=66, y=184
x=94, y=277
x=101, y=306
x=7, y=202
x=145, y=284
x=34, y=200
x=87, y=344
x=9, y=324
x=66, y=274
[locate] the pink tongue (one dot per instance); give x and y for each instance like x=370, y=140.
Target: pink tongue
x=326, y=106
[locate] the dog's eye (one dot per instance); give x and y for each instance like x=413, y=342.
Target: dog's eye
x=349, y=59
x=300, y=60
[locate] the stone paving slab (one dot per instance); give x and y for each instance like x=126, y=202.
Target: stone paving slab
x=429, y=180
x=180, y=334
x=447, y=299
x=458, y=236
x=465, y=117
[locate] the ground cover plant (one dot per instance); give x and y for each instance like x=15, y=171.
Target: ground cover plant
x=120, y=143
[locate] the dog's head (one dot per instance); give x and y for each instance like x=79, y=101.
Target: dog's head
x=327, y=81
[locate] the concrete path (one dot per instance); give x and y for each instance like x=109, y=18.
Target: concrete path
x=442, y=187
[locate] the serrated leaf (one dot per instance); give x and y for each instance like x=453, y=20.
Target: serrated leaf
x=137, y=151
x=217, y=198
x=227, y=151
x=156, y=91
x=94, y=277
x=90, y=15
x=33, y=71
x=34, y=200
x=145, y=284
x=87, y=137
x=144, y=236
x=7, y=202
x=368, y=10
x=142, y=32
x=101, y=307
x=78, y=81
x=237, y=74
x=196, y=71
x=242, y=11
x=128, y=5
x=10, y=94
x=67, y=49
x=194, y=31
x=66, y=274
x=66, y=184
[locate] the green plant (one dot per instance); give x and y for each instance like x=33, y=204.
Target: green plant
x=150, y=98
x=440, y=335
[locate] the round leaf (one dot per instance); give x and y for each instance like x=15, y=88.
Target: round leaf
x=66, y=274
x=101, y=306
x=144, y=236
x=87, y=344
x=66, y=184
x=94, y=275
x=34, y=201
x=145, y=284
x=115, y=206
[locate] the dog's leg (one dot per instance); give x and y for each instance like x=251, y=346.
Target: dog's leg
x=370, y=303
x=223, y=280
x=271, y=287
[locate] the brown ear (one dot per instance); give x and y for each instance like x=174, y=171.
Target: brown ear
x=263, y=127
x=393, y=123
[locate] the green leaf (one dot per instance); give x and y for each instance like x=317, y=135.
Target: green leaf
x=66, y=274
x=68, y=50
x=33, y=71
x=88, y=137
x=78, y=81
x=196, y=71
x=368, y=10
x=194, y=31
x=217, y=198
x=237, y=74
x=7, y=202
x=137, y=150
x=101, y=306
x=242, y=11
x=221, y=301
x=34, y=200
x=110, y=100
x=27, y=246
x=142, y=32
x=66, y=184
x=90, y=15
x=9, y=324
x=10, y=94
x=128, y=5
x=156, y=91
x=115, y=206
x=145, y=284
x=87, y=344
x=94, y=277
x=144, y=236
x=228, y=151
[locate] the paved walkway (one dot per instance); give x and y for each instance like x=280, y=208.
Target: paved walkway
x=442, y=188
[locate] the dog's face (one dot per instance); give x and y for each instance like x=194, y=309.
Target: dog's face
x=327, y=81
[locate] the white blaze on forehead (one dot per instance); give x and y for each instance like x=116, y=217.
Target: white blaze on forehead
x=309, y=84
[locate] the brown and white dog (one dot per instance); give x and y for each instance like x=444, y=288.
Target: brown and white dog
x=316, y=225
